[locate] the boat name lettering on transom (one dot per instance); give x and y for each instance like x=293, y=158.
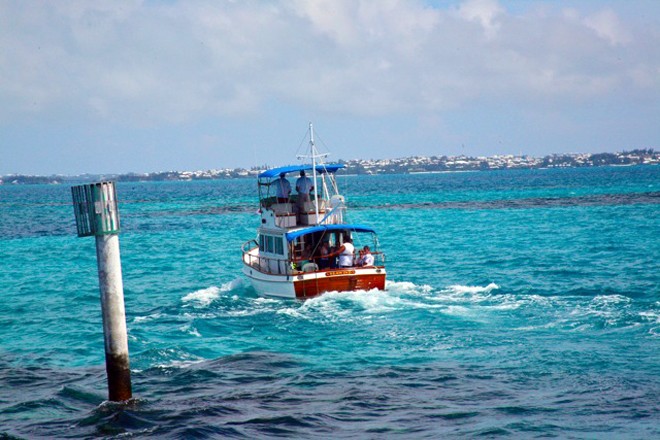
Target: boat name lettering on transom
x=339, y=272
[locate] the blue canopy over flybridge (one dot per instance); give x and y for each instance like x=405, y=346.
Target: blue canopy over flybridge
x=320, y=168
x=290, y=236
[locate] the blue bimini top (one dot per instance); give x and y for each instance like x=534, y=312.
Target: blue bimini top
x=290, y=236
x=320, y=168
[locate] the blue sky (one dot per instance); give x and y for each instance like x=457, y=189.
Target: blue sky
x=121, y=86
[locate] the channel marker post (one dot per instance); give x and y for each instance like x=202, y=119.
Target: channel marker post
x=96, y=212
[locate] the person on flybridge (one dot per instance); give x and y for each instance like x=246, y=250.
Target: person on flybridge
x=282, y=189
x=304, y=186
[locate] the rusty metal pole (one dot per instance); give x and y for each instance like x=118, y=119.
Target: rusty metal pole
x=95, y=208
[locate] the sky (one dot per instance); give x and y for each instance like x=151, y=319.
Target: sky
x=144, y=86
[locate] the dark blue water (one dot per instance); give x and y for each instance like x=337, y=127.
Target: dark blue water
x=520, y=304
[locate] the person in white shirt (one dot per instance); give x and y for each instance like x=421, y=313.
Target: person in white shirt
x=282, y=189
x=304, y=186
x=346, y=253
x=367, y=257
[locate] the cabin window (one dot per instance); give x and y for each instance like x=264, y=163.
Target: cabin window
x=271, y=244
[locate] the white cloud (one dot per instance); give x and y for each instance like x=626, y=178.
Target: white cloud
x=484, y=12
x=146, y=62
x=607, y=25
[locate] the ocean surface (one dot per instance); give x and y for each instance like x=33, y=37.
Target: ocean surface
x=519, y=304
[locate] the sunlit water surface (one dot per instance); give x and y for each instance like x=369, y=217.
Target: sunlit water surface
x=519, y=304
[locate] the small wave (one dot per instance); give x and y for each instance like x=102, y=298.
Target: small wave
x=265, y=300
x=147, y=318
x=173, y=357
x=611, y=299
x=178, y=364
x=191, y=330
x=407, y=287
x=462, y=290
x=650, y=316
x=232, y=285
x=456, y=310
x=204, y=297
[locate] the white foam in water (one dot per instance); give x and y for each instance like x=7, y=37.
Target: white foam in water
x=611, y=299
x=373, y=302
x=266, y=300
x=147, y=318
x=190, y=330
x=651, y=316
x=181, y=363
x=407, y=287
x=232, y=285
x=458, y=311
x=342, y=306
x=331, y=306
x=473, y=289
x=204, y=297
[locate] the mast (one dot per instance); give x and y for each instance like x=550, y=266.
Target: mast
x=313, y=153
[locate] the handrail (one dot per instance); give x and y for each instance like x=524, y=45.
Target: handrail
x=248, y=242
x=264, y=264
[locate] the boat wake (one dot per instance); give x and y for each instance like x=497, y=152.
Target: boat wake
x=421, y=313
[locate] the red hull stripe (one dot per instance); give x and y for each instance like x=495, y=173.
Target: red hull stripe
x=314, y=287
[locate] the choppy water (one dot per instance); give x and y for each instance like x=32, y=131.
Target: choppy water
x=519, y=304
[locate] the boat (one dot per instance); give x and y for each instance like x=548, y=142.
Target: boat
x=303, y=243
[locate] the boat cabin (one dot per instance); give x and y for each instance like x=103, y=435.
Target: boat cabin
x=310, y=249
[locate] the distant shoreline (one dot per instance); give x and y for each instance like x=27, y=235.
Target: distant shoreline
x=408, y=165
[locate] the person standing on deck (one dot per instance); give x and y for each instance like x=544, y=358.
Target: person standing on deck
x=282, y=189
x=346, y=253
x=304, y=186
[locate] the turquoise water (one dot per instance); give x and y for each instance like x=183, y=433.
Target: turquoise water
x=520, y=303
